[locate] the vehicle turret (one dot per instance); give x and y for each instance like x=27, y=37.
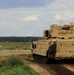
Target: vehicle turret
x=56, y=31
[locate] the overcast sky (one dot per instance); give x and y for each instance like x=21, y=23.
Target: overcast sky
x=31, y=17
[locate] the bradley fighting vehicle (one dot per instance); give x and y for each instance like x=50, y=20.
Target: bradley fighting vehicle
x=57, y=43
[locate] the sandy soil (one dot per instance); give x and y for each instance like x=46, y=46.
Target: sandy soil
x=39, y=69
x=14, y=52
x=70, y=67
x=52, y=69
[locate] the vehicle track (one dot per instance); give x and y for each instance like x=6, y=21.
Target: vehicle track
x=55, y=68
x=60, y=69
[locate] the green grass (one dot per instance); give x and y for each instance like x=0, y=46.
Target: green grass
x=10, y=48
x=15, y=66
x=15, y=45
x=27, y=48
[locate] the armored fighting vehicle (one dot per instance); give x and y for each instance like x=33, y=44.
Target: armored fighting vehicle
x=57, y=43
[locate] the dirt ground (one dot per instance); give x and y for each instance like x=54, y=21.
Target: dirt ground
x=59, y=68
x=39, y=69
x=70, y=67
x=14, y=52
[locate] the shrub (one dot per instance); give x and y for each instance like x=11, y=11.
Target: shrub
x=15, y=66
x=14, y=61
x=2, y=63
x=21, y=70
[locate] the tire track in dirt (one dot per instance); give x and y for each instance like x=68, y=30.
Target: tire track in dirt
x=60, y=69
x=55, y=68
x=69, y=66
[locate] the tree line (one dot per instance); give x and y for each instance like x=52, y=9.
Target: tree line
x=19, y=39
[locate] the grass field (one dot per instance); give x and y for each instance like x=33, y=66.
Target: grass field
x=15, y=66
x=15, y=45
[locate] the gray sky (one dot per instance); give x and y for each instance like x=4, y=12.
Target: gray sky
x=31, y=17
